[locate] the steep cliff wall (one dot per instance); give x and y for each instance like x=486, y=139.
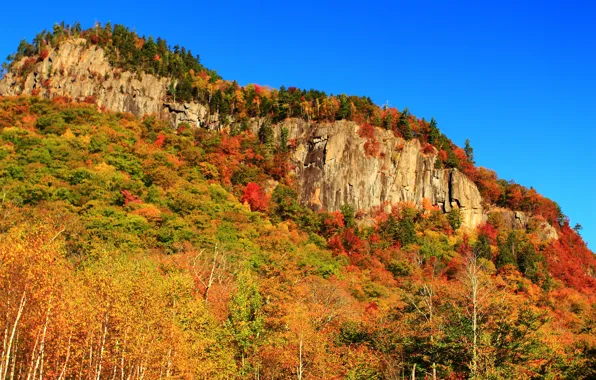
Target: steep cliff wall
x=332, y=167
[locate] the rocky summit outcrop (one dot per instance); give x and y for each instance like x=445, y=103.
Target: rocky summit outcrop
x=81, y=71
x=332, y=165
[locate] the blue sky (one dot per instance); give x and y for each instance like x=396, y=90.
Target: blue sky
x=518, y=80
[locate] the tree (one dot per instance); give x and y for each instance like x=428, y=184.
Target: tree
x=348, y=215
x=454, y=218
x=433, y=134
x=482, y=247
x=255, y=196
x=577, y=228
x=507, y=251
x=246, y=319
x=266, y=135
x=477, y=287
x=469, y=151
x=404, y=124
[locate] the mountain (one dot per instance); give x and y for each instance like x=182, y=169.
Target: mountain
x=159, y=220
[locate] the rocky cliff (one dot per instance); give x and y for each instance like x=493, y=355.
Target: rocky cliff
x=78, y=71
x=332, y=166
x=333, y=169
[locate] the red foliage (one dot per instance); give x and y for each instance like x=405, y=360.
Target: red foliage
x=255, y=196
x=570, y=261
x=44, y=54
x=332, y=223
x=489, y=231
x=371, y=148
x=372, y=308
x=230, y=144
x=157, y=58
x=335, y=244
x=346, y=242
x=130, y=198
x=160, y=140
x=442, y=155
x=28, y=64
x=352, y=242
x=367, y=131
x=428, y=149
x=279, y=167
x=90, y=99
x=487, y=184
x=514, y=196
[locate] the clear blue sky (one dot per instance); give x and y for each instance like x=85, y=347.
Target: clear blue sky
x=518, y=80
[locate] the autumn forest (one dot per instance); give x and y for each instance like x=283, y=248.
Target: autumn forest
x=131, y=248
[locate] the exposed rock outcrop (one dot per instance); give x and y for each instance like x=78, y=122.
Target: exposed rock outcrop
x=519, y=220
x=78, y=71
x=333, y=169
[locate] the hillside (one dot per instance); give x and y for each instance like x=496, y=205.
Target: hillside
x=160, y=221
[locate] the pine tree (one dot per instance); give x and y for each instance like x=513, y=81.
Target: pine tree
x=507, y=251
x=469, y=151
x=433, y=133
x=404, y=124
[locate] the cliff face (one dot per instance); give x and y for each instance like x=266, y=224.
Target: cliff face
x=78, y=71
x=332, y=167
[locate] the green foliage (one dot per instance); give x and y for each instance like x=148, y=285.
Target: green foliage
x=349, y=216
x=454, y=218
x=266, y=135
x=482, y=248
x=469, y=151
x=52, y=123
x=508, y=250
x=246, y=319
x=434, y=134
x=402, y=230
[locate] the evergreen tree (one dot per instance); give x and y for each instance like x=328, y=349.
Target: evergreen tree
x=507, y=251
x=404, y=125
x=345, y=109
x=349, y=216
x=388, y=121
x=482, y=248
x=469, y=151
x=433, y=133
x=283, y=140
x=406, y=231
x=266, y=135
x=454, y=218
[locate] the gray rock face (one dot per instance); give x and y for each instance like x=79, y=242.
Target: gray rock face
x=77, y=70
x=333, y=169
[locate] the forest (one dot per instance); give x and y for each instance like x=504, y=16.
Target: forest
x=130, y=249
